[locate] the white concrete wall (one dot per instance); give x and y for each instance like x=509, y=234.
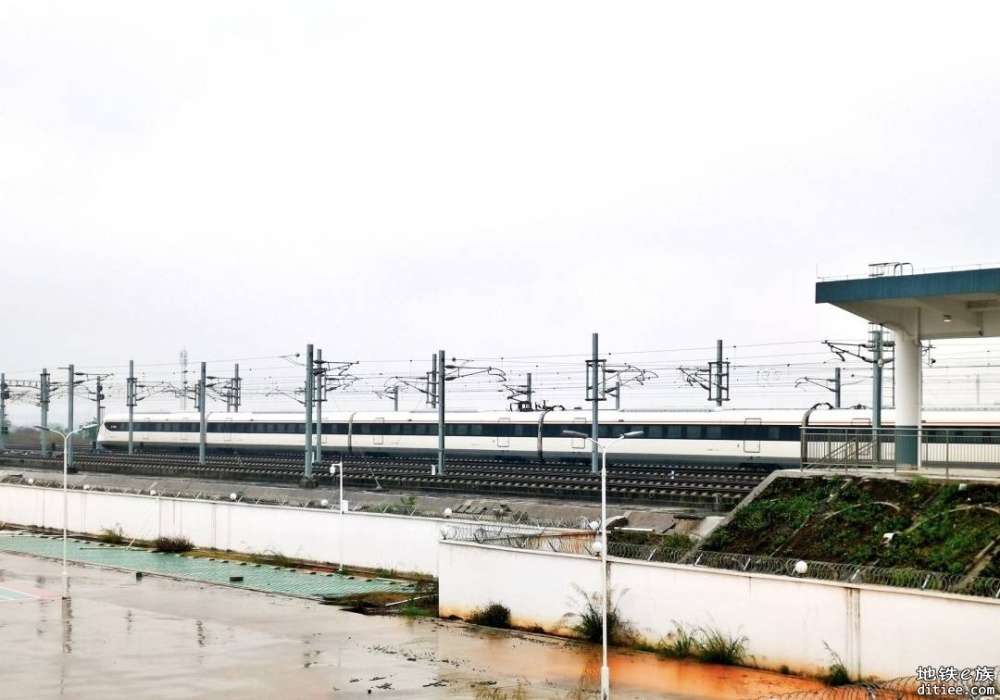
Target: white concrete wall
x=368, y=540
x=536, y=586
x=876, y=631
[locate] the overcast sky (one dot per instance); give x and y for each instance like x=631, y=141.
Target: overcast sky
x=497, y=179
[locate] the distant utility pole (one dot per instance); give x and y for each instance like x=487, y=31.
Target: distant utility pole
x=184, y=379
x=71, y=390
x=517, y=391
x=307, y=480
x=236, y=390
x=130, y=401
x=714, y=378
x=203, y=433
x=877, y=346
x=44, y=403
x=877, y=364
x=439, y=370
x=720, y=371
x=432, y=382
x=595, y=367
x=320, y=391
x=4, y=396
x=833, y=385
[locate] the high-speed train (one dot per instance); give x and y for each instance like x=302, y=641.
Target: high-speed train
x=716, y=436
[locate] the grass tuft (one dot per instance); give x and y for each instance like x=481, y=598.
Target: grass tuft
x=112, y=535
x=173, y=544
x=588, y=620
x=707, y=645
x=493, y=615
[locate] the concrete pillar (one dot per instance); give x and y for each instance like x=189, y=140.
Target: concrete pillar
x=908, y=368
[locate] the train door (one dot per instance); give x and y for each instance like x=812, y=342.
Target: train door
x=751, y=436
x=503, y=437
x=378, y=431
x=580, y=425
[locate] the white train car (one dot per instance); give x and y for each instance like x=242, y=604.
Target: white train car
x=716, y=436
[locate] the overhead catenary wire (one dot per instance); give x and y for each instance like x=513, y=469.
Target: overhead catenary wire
x=762, y=375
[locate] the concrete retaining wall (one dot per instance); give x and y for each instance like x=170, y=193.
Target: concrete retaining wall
x=369, y=540
x=876, y=631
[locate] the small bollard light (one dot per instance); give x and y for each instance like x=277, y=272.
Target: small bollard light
x=801, y=567
x=325, y=503
x=233, y=497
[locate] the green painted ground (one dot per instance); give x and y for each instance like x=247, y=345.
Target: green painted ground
x=258, y=577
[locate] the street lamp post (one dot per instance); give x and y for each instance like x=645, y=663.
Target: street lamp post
x=333, y=469
x=605, y=673
x=65, y=537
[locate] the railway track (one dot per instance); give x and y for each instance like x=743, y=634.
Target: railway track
x=668, y=484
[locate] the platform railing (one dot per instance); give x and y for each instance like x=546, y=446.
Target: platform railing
x=864, y=447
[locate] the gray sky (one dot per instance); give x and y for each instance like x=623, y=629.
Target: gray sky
x=497, y=179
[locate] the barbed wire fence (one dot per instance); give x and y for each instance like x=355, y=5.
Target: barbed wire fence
x=582, y=542
x=824, y=571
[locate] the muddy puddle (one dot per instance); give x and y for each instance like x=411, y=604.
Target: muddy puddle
x=123, y=637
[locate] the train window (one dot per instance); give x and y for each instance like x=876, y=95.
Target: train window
x=462, y=429
x=394, y=429
x=713, y=432
x=655, y=432
x=673, y=432
x=692, y=432
x=476, y=429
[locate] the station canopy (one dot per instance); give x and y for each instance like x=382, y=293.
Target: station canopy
x=931, y=306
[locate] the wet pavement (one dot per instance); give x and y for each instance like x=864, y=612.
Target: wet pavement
x=119, y=636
